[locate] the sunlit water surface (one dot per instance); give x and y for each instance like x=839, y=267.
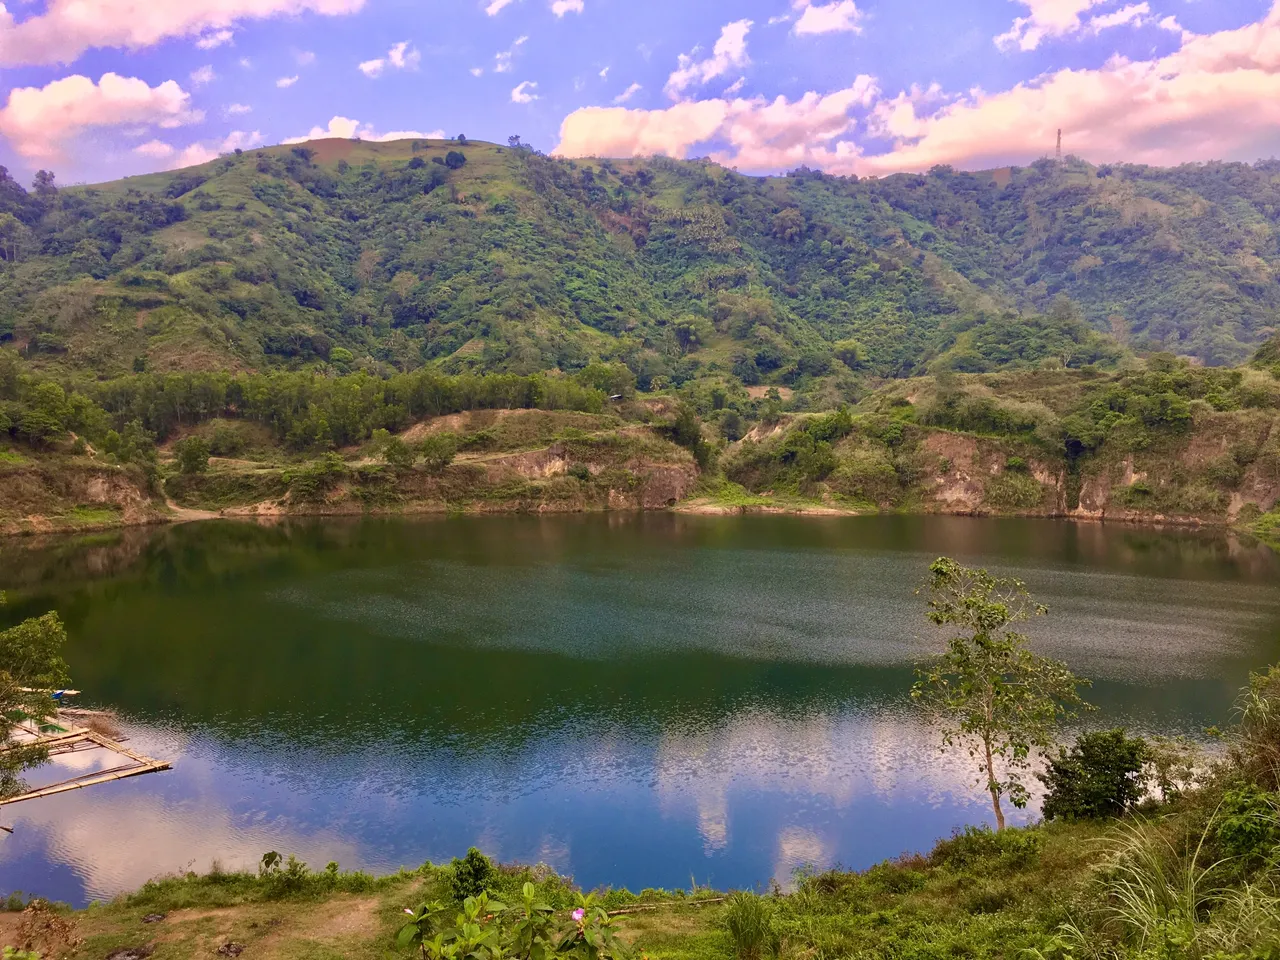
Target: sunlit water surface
x=634, y=700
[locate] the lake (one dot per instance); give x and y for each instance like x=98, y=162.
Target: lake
x=632, y=699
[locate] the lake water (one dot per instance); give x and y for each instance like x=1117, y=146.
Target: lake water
x=634, y=700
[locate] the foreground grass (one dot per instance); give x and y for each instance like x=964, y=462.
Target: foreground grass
x=974, y=896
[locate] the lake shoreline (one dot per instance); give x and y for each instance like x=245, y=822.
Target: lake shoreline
x=272, y=512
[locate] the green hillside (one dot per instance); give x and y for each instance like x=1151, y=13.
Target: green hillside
x=391, y=256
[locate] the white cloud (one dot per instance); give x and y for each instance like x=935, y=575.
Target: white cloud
x=730, y=51
x=241, y=140
x=628, y=93
x=402, y=57
x=39, y=121
x=246, y=63
x=203, y=75
x=1134, y=13
x=67, y=28
x=523, y=93
x=497, y=6
x=842, y=16
x=238, y=109
x=561, y=7
x=477, y=71
x=1052, y=19
x=198, y=153
x=502, y=61
x=344, y=128
x=304, y=58
x=623, y=132
x=193, y=156
x=761, y=134
x=733, y=89
x=604, y=74
x=215, y=39
x=155, y=149
x=287, y=81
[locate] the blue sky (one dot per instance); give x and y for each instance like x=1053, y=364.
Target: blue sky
x=866, y=87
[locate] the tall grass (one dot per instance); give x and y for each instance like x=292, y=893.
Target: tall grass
x=748, y=918
x=1159, y=893
x=1162, y=900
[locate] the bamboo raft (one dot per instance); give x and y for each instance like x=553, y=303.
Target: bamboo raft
x=60, y=737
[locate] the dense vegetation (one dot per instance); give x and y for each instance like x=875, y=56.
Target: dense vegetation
x=1159, y=437
x=387, y=257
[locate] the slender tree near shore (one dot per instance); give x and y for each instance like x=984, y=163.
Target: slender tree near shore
x=989, y=694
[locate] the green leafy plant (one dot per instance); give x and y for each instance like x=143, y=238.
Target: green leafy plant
x=472, y=875
x=486, y=929
x=1248, y=823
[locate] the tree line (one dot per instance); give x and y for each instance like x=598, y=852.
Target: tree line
x=305, y=411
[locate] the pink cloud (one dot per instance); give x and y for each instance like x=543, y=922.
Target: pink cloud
x=67, y=28
x=1218, y=97
x=39, y=121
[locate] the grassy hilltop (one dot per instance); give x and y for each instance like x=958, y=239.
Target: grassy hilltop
x=514, y=262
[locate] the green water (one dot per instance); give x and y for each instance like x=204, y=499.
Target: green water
x=631, y=699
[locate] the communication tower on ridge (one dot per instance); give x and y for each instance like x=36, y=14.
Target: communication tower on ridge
x=1059, y=145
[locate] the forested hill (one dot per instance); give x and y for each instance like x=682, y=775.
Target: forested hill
x=467, y=255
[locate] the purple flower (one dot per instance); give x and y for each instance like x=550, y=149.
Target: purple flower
x=408, y=911
x=579, y=914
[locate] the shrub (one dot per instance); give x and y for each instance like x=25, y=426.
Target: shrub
x=1103, y=775
x=686, y=431
x=312, y=482
x=987, y=896
x=485, y=439
x=471, y=875
x=192, y=454
x=867, y=475
x=1248, y=826
x=1013, y=490
x=397, y=453
x=982, y=846
x=438, y=451
x=226, y=441
x=732, y=427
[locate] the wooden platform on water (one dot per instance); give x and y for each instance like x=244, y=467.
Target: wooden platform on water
x=59, y=736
